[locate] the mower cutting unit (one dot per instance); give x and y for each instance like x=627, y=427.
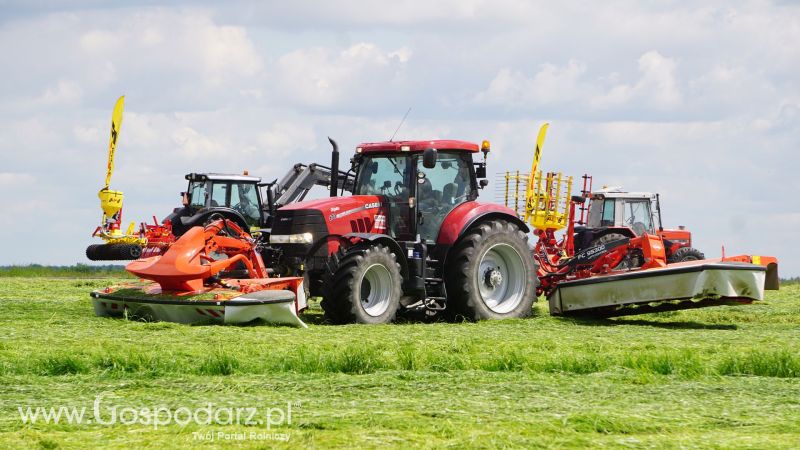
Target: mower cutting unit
x=188, y=283
x=611, y=269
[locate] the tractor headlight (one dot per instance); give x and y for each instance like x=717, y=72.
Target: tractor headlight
x=300, y=238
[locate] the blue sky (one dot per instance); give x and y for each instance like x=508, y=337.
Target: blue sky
x=697, y=101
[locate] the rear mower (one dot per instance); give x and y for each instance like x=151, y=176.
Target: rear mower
x=615, y=214
x=622, y=270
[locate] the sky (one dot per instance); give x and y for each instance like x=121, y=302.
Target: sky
x=699, y=101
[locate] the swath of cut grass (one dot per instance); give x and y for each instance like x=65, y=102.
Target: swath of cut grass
x=61, y=365
x=218, y=363
x=76, y=271
x=782, y=364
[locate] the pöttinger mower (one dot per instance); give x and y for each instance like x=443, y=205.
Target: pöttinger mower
x=622, y=273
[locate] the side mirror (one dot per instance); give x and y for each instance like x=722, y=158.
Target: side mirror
x=429, y=158
x=483, y=183
x=480, y=172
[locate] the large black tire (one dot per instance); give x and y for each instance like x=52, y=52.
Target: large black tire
x=491, y=274
x=686, y=254
x=633, y=261
x=363, y=284
x=113, y=252
x=93, y=252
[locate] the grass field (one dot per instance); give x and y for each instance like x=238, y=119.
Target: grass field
x=724, y=377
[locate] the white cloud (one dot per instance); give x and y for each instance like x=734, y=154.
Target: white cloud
x=63, y=92
x=16, y=179
x=283, y=139
x=193, y=144
x=551, y=84
x=657, y=86
x=319, y=77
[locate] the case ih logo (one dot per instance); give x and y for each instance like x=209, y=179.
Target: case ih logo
x=354, y=210
x=380, y=222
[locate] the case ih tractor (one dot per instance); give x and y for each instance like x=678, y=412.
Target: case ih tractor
x=615, y=214
x=411, y=238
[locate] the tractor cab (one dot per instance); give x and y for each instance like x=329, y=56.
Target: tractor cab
x=238, y=192
x=614, y=213
x=634, y=210
x=421, y=182
x=236, y=197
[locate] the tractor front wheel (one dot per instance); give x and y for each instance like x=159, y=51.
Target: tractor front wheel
x=491, y=273
x=362, y=285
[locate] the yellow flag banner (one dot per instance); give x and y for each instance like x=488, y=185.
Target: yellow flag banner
x=537, y=155
x=116, y=123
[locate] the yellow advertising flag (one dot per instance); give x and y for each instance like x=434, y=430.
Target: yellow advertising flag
x=116, y=123
x=537, y=155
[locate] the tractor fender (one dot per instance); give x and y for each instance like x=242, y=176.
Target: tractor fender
x=199, y=219
x=625, y=231
x=585, y=235
x=386, y=240
x=469, y=214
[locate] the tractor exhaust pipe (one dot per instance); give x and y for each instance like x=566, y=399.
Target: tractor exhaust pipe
x=658, y=209
x=334, y=167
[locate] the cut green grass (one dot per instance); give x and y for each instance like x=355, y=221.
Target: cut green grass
x=722, y=377
x=76, y=271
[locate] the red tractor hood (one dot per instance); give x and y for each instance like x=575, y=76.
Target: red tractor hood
x=337, y=207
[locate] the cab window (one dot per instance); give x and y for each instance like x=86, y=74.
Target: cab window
x=440, y=189
x=383, y=175
x=637, y=216
x=197, y=194
x=245, y=200
x=219, y=194
x=389, y=176
x=608, y=213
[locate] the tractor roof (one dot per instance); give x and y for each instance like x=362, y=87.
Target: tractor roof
x=617, y=192
x=221, y=177
x=416, y=146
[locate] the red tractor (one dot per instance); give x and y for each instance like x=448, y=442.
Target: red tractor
x=412, y=238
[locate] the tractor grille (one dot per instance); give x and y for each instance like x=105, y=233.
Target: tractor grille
x=299, y=221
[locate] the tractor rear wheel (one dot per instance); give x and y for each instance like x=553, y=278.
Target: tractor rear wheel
x=491, y=273
x=362, y=285
x=686, y=254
